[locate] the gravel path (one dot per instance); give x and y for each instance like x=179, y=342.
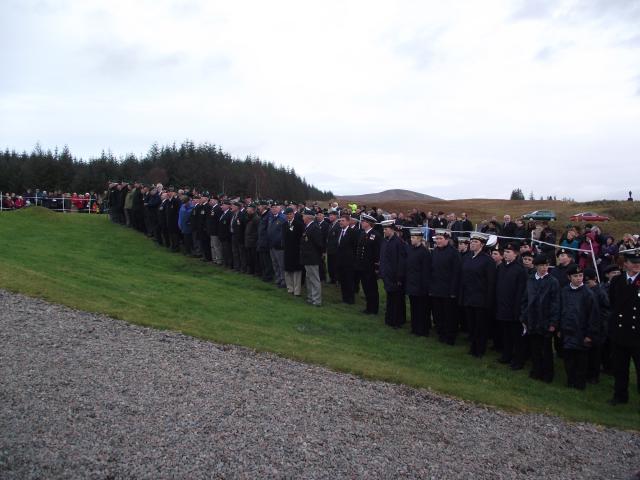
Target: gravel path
x=86, y=396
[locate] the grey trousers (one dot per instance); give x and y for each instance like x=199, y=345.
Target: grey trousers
x=216, y=250
x=293, y=281
x=277, y=259
x=314, y=286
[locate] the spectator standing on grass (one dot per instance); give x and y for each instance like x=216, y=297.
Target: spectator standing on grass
x=624, y=298
x=393, y=274
x=292, y=234
x=579, y=326
x=184, y=223
x=417, y=283
x=476, y=295
x=274, y=233
x=346, y=258
x=540, y=314
x=594, y=355
x=511, y=282
x=311, y=248
x=444, y=286
x=368, y=261
x=128, y=206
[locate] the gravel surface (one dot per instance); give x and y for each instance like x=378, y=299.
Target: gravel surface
x=87, y=396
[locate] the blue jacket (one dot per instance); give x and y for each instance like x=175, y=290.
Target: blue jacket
x=275, y=232
x=184, y=216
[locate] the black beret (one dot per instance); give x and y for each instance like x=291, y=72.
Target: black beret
x=573, y=269
x=540, y=259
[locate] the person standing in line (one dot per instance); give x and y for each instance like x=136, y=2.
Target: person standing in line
x=292, y=235
x=579, y=325
x=393, y=272
x=444, y=286
x=477, y=284
x=311, y=249
x=540, y=314
x=511, y=282
x=367, y=262
x=417, y=283
x=346, y=258
x=624, y=298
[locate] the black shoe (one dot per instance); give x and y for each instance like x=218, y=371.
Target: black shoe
x=516, y=366
x=616, y=401
x=504, y=361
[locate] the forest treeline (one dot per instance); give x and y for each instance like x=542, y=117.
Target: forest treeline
x=202, y=166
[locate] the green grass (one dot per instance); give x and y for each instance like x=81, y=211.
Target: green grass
x=85, y=262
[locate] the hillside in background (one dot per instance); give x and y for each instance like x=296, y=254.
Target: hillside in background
x=625, y=216
x=202, y=166
x=395, y=195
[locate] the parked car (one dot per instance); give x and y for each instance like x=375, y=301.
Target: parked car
x=589, y=217
x=540, y=215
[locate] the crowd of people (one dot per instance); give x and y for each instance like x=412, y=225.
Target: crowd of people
x=521, y=288
x=56, y=200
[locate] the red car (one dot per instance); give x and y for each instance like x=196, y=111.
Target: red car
x=589, y=217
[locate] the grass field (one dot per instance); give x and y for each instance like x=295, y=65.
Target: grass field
x=87, y=263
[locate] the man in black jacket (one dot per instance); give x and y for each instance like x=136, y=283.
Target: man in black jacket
x=393, y=257
x=579, y=325
x=477, y=284
x=346, y=257
x=624, y=298
x=224, y=234
x=367, y=262
x=444, y=286
x=417, y=283
x=213, y=219
x=172, y=209
x=511, y=281
x=333, y=233
x=540, y=313
x=311, y=248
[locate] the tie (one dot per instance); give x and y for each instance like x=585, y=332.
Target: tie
x=630, y=281
x=341, y=235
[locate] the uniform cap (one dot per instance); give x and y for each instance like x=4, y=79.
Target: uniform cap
x=367, y=218
x=632, y=256
x=442, y=232
x=479, y=236
x=573, y=269
x=416, y=232
x=388, y=223
x=540, y=259
x=590, y=274
x=463, y=239
x=563, y=250
x=514, y=247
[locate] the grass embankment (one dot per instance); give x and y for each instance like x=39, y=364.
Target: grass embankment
x=87, y=263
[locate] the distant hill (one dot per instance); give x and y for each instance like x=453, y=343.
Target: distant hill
x=396, y=195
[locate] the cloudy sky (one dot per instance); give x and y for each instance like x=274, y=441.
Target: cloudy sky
x=455, y=99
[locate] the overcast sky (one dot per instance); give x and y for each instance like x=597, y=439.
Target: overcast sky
x=454, y=99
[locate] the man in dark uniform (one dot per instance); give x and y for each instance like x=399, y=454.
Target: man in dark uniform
x=579, y=326
x=624, y=299
x=311, y=249
x=224, y=234
x=333, y=232
x=204, y=212
x=477, y=284
x=213, y=218
x=162, y=220
x=444, y=286
x=393, y=256
x=264, y=256
x=511, y=282
x=172, y=210
x=346, y=257
x=251, y=238
x=291, y=236
x=540, y=313
x=324, y=225
x=417, y=283
x=564, y=258
x=367, y=261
